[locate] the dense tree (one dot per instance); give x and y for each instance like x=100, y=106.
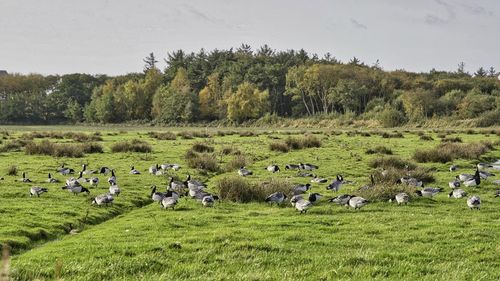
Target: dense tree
x=248, y=102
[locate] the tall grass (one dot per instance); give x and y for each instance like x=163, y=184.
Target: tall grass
x=380, y=149
x=202, y=161
x=293, y=143
x=238, y=189
x=134, y=145
x=446, y=152
x=162, y=135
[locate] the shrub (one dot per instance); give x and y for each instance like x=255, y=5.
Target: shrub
x=202, y=161
x=92, y=148
x=54, y=149
x=310, y=141
x=237, y=189
x=446, y=152
x=236, y=162
x=162, y=135
x=390, y=117
x=226, y=150
x=80, y=137
x=451, y=139
x=379, y=149
x=12, y=170
x=201, y=134
x=279, y=146
x=12, y=146
x=387, y=135
x=201, y=147
x=134, y=145
x=426, y=138
x=185, y=135
x=248, y=134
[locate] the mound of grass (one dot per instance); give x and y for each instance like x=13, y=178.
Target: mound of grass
x=379, y=149
x=384, y=192
x=162, y=135
x=202, y=161
x=12, y=170
x=81, y=137
x=201, y=134
x=387, y=135
x=92, y=148
x=134, y=145
x=202, y=147
x=237, y=161
x=426, y=138
x=279, y=146
x=226, y=150
x=451, y=139
x=446, y=152
x=390, y=169
x=392, y=162
x=238, y=189
x=12, y=146
x=55, y=149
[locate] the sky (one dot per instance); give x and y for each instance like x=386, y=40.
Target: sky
x=113, y=36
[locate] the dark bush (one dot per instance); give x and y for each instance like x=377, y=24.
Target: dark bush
x=162, y=135
x=451, y=139
x=426, y=138
x=132, y=146
x=237, y=161
x=12, y=170
x=54, y=149
x=446, y=152
x=379, y=149
x=202, y=147
x=279, y=146
x=202, y=161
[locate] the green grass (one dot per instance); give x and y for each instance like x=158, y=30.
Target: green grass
x=136, y=240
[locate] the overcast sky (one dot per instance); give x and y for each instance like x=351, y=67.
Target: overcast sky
x=113, y=36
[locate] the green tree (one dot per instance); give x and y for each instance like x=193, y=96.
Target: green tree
x=248, y=102
x=74, y=111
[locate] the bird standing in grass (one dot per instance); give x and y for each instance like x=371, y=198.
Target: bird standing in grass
x=300, y=204
x=208, y=201
x=37, y=191
x=168, y=202
x=457, y=193
x=51, y=179
x=273, y=168
x=277, y=197
x=357, y=202
x=24, y=178
x=76, y=188
x=341, y=199
x=314, y=197
x=428, y=192
x=133, y=171
x=474, y=202
x=301, y=188
x=114, y=189
x=401, y=198
x=336, y=184
x=103, y=199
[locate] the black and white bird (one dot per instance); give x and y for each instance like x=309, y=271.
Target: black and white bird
x=76, y=188
x=272, y=168
x=65, y=171
x=308, y=167
x=114, y=189
x=301, y=188
x=242, y=171
x=457, y=193
x=357, y=202
x=304, y=174
x=85, y=171
x=94, y=181
x=341, y=199
x=314, y=197
x=453, y=168
x=168, y=202
x=156, y=195
x=37, y=191
x=485, y=175
x=103, y=199
x=208, y=201
x=50, y=179
x=410, y=181
x=104, y=170
x=81, y=179
x=317, y=179
x=497, y=193
x=474, y=202
x=474, y=181
x=336, y=184
x=153, y=170
x=24, y=178
x=133, y=171
x=300, y=204
x=194, y=184
x=292, y=167
x=481, y=165
x=428, y=192
x=167, y=166
x=112, y=178
x=401, y=198
x=454, y=184
x=277, y=197
x=177, y=186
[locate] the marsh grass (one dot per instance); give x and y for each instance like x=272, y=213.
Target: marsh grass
x=380, y=149
x=384, y=192
x=202, y=161
x=12, y=170
x=202, y=147
x=162, y=135
x=448, y=151
x=134, y=145
x=236, y=162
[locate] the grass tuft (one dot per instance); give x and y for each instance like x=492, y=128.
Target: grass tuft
x=380, y=150
x=134, y=145
x=446, y=152
x=162, y=135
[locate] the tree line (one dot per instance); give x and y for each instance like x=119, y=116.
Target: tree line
x=238, y=85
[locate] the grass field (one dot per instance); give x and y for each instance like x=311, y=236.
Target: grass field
x=429, y=239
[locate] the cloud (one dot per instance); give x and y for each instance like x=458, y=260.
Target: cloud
x=201, y=15
x=433, y=19
x=476, y=10
x=357, y=24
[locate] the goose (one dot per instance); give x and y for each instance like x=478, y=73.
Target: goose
x=50, y=179
x=168, y=202
x=112, y=179
x=277, y=197
x=94, y=181
x=301, y=188
x=103, y=199
x=201, y=194
x=24, y=178
x=453, y=168
x=305, y=174
x=497, y=193
x=410, y=181
x=301, y=204
x=81, y=179
x=401, y=198
x=454, y=184
x=317, y=179
x=368, y=186
x=474, y=181
x=155, y=170
x=465, y=177
x=296, y=198
x=244, y=172
x=308, y=167
x=65, y=171
x=133, y=171
x=85, y=171
x=314, y=197
x=292, y=167
x=336, y=184
x=37, y=191
x=76, y=188
x=72, y=182
x=104, y=170
x=341, y=199
x=177, y=186
x=481, y=166
x=496, y=182
x=208, y=201
x=155, y=195
x=194, y=184
x=114, y=189
x=273, y=168
x=474, y=202
x=428, y=192
x=174, y=167
x=457, y=193
x=357, y=202
x=484, y=175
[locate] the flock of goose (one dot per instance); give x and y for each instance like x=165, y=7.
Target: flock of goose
x=196, y=189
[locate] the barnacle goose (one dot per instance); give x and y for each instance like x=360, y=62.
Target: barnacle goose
x=277, y=197
x=457, y=193
x=50, y=179
x=401, y=198
x=103, y=199
x=474, y=202
x=273, y=168
x=37, y=191
x=244, y=172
